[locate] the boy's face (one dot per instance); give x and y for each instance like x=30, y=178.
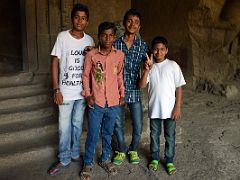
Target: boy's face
x=79, y=21
x=159, y=52
x=106, y=38
x=132, y=24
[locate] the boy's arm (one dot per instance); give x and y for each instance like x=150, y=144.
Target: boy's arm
x=176, y=114
x=120, y=81
x=58, y=98
x=86, y=80
x=143, y=80
x=147, y=66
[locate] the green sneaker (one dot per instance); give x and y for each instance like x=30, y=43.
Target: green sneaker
x=118, y=159
x=134, y=159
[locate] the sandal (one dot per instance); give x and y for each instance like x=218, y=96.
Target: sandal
x=109, y=167
x=170, y=168
x=153, y=165
x=56, y=168
x=86, y=173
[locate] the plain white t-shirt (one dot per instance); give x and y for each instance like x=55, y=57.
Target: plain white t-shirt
x=163, y=80
x=69, y=51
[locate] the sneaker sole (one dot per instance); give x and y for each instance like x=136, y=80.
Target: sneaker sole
x=117, y=163
x=135, y=162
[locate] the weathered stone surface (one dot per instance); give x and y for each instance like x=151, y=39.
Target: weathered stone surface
x=215, y=45
x=231, y=91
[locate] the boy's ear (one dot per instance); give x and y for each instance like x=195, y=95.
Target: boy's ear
x=139, y=28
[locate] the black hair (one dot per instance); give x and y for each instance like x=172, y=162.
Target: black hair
x=159, y=39
x=79, y=7
x=131, y=12
x=105, y=26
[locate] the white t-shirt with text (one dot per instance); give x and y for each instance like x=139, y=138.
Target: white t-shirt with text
x=69, y=51
x=163, y=80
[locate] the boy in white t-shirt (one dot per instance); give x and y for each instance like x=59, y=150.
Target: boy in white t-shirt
x=67, y=67
x=165, y=81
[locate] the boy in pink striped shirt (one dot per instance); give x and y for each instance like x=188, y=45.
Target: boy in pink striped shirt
x=104, y=89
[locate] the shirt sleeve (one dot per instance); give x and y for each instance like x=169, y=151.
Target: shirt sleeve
x=57, y=48
x=120, y=76
x=86, y=76
x=179, y=79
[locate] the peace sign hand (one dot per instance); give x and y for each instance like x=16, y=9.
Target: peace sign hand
x=149, y=62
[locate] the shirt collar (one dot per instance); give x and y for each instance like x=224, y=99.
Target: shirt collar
x=113, y=49
x=136, y=39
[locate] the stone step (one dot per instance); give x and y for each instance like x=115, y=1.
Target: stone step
x=16, y=79
x=36, y=150
x=26, y=115
x=34, y=154
x=14, y=104
x=23, y=91
x=24, y=78
x=27, y=136
x=20, y=126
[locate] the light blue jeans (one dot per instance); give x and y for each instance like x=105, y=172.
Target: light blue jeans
x=70, y=129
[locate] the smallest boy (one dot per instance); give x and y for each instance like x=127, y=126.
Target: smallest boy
x=165, y=81
x=104, y=89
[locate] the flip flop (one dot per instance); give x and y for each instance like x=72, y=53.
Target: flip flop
x=109, y=167
x=171, y=169
x=153, y=165
x=56, y=168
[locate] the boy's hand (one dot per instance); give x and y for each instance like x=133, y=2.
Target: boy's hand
x=149, y=61
x=87, y=49
x=146, y=66
x=176, y=114
x=58, y=98
x=121, y=101
x=90, y=101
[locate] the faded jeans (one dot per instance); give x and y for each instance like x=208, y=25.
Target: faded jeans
x=70, y=129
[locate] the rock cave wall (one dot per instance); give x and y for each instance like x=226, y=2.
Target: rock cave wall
x=204, y=38
x=214, y=28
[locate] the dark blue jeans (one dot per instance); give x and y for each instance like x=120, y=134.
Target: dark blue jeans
x=169, y=127
x=98, y=118
x=137, y=125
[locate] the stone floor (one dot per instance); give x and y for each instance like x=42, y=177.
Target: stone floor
x=208, y=147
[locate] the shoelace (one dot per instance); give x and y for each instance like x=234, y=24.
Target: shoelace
x=119, y=155
x=134, y=155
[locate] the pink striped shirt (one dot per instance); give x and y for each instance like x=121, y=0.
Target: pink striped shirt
x=103, y=77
